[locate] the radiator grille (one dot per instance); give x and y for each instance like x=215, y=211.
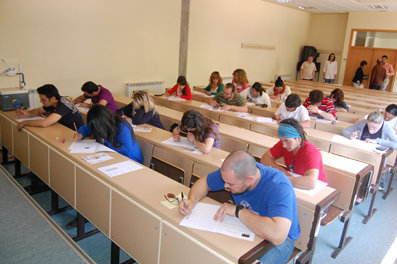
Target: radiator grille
x=152, y=86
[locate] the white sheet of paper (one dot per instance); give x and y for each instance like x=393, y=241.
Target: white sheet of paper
x=120, y=168
x=265, y=120
x=207, y=106
x=174, y=98
x=183, y=142
x=97, y=158
x=88, y=146
x=142, y=129
x=30, y=118
x=202, y=218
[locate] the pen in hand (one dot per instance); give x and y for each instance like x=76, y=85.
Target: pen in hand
x=184, y=205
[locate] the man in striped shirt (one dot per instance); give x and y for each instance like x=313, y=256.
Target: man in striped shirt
x=320, y=106
x=229, y=100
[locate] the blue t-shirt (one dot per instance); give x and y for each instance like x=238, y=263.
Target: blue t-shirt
x=129, y=148
x=274, y=196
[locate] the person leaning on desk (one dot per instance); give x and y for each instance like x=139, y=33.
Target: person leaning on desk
x=300, y=156
x=58, y=108
x=265, y=202
x=229, y=100
x=98, y=95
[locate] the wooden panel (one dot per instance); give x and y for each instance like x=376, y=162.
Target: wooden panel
x=38, y=157
x=201, y=170
x=306, y=217
x=235, y=121
x=93, y=200
x=147, y=150
x=262, y=111
x=178, y=247
x=264, y=129
x=6, y=133
x=320, y=143
x=62, y=176
x=342, y=183
x=181, y=162
x=230, y=144
x=328, y=127
x=135, y=229
x=257, y=151
x=166, y=121
x=355, y=56
x=21, y=145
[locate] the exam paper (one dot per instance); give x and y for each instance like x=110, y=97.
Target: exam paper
x=183, y=142
x=319, y=186
x=97, y=158
x=88, y=146
x=174, y=98
x=207, y=106
x=30, y=118
x=120, y=168
x=202, y=218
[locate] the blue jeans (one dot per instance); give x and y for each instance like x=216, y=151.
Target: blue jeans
x=279, y=254
x=329, y=80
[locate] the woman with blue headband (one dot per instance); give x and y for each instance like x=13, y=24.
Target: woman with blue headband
x=300, y=156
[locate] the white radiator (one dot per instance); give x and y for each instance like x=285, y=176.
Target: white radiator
x=227, y=79
x=151, y=86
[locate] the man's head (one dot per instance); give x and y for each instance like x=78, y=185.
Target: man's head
x=291, y=134
x=384, y=59
x=390, y=112
x=292, y=102
x=48, y=94
x=310, y=58
x=316, y=96
x=90, y=89
x=228, y=91
x=239, y=172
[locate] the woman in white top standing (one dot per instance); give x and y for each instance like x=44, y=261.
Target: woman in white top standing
x=330, y=69
x=256, y=95
x=279, y=91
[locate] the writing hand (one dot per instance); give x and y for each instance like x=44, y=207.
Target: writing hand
x=185, y=207
x=225, y=209
x=21, y=113
x=175, y=134
x=368, y=140
x=226, y=107
x=354, y=135
x=190, y=137
x=77, y=137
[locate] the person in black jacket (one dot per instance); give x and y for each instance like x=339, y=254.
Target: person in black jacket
x=141, y=110
x=359, y=76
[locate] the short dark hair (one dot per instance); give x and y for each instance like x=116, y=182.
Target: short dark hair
x=385, y=56
x=295, y=124
x=257, y=86
x=392, y=109
x=230, y=85
x=89, y=87
x=279, y=82
x=49, y=90
x=316, y=96
x=293, y=100
x=364, y=62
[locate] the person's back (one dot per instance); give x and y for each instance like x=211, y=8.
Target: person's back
x=378, y=74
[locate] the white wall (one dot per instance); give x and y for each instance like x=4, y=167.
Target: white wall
x=218, y=27
x=109, y=42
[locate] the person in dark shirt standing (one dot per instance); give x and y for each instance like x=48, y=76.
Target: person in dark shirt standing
x=57, y=108
x=378, y=75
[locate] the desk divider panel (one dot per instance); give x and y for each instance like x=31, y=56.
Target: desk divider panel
x=21, y=145
x=93, y=199
x=256, y=151
x=6, y=133
x=62, y=177
x=176, y=247
x=342, y=183
x=230, y=144
x=306, y=217
x=38, y=158
x=264, y=129
x=235, y=121
x=335, y=129
x=147, y=151
x=135, y=229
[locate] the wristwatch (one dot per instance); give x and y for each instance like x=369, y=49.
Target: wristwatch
x=238, y=208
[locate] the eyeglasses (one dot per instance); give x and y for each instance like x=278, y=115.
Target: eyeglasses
x=172, y=198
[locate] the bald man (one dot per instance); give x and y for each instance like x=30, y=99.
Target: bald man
x=265, y=202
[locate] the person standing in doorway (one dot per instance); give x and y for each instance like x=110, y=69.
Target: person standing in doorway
x=389, y=72
x=378, y=74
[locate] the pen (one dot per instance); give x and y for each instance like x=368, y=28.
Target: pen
x=184, y=205
x=75, y=128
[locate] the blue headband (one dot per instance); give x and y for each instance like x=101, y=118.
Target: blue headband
x=288, y=131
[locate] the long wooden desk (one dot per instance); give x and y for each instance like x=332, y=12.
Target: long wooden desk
x=125, y=208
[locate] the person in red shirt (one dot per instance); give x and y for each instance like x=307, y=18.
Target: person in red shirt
x=181, y=89
x=300, y=156
x=320, y=106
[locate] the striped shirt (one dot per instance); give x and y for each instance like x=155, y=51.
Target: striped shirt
x=326, y=105
x=237, y=100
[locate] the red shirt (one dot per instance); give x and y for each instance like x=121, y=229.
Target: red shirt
x=326, y=105
x=308, y=157
x=188, y=92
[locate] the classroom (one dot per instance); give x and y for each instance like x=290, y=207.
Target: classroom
x=136, y=42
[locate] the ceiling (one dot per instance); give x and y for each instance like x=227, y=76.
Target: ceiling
x=339, y=6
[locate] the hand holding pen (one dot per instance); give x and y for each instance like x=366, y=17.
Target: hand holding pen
x=184, y=206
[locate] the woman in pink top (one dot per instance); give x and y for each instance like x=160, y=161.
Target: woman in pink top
x=181, y=89
x=240, y=80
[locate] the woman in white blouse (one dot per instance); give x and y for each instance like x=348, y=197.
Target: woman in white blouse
x=330, y=69
x=256, y=95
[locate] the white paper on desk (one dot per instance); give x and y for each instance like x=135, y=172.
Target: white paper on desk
x=202, y=218
x=82, y=109
x=97, y=158
x=262, y=119
x=355, y=143
x=142, y=129
x=174, y=98
x=319, y=186
x=88, y=146
x=120, y=168
x=30, y=118
x=246, y=116
x=183, y=142
x=207, y=106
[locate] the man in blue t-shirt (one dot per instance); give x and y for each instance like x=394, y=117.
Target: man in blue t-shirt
x=265, y=202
